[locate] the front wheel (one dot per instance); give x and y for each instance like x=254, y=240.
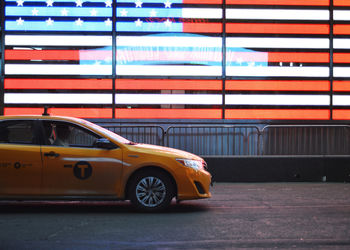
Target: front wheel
x=151, y=191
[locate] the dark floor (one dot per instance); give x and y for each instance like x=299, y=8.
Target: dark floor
x=259, y=215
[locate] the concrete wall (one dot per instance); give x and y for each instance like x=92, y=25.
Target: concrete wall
x=279, y=168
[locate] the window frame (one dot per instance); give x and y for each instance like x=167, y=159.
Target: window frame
x=36, y=136
x=72, y=124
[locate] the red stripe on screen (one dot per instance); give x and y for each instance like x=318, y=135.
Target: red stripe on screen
x=341, y=86
x=277, y=28
x=102, y=84
x=202, y=27
x=168, y=113
x=341, y=2
x=341, y=29
x=341, y=114
x=278, y=114
x=281, y=2
x=305, y=57
x=277, y=85
x=75, y=55
x=163, y=84
x=202, y=2
x=73, y=112
x=341, y=57
x=165, y=55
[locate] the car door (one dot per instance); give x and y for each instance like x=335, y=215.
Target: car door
x=20, y=158
x=73, y=166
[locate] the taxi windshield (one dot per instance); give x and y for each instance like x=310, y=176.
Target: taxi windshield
x=108, y=133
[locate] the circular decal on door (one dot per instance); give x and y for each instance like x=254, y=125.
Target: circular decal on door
x=17, y=165
x=82, y=170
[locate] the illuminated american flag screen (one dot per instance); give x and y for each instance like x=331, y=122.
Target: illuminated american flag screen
x=178, y=59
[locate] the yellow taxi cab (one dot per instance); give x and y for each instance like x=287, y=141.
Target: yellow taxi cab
x=47, y=157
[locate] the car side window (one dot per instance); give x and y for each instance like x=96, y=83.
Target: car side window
x=17, y=132
x=68, y=135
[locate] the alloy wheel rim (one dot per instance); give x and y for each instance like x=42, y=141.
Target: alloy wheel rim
x=150, y=191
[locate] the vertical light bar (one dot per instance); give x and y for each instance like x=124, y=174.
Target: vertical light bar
x=2, y=51
x=331, y=50
x=223, y=57
x=114, y=52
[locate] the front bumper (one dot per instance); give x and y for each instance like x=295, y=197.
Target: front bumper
x=194, y=185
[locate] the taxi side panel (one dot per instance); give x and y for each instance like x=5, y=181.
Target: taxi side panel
x=20, y=170
x=79, y=171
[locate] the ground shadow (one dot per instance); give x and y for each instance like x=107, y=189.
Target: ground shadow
x=81, y=207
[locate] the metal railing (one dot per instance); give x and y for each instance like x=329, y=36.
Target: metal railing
x=141, y=134
x=305, y=140
x=214, y=140
x=235, y=140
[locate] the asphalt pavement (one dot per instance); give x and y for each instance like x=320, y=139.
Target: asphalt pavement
x=239, y=215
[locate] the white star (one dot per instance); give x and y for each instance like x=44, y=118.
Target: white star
x=79, y=22
x=138, y=23
x=35, y=12
x=239, y=61
x=281, y=64
x=20, y=21
x=167, y=23
x=138, y=4
x=20, y=3
x=167, y=4
x=49, y=22
x=49, y=3
x=251, y=64
x=79, y=3
x=153, y=13
x=93, y=12
x=108, y=59
x=108, y=3
x=64, y=12
x=124, y=12
x=108, y=22
x=97, y=63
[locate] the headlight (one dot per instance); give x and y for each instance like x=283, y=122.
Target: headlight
x=197, y=165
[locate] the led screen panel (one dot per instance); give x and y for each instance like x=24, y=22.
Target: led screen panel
x=178, y=59
x=169, y=39
x=277, y=60
x=56, y=53
x=341, y=57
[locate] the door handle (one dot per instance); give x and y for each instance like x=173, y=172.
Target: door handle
x=52, y=154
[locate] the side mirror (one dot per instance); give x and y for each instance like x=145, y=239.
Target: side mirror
x=104, y=143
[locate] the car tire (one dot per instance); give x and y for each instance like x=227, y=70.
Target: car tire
x=151, y=191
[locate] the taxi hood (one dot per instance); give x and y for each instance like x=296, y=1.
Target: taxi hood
x=176, y=153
